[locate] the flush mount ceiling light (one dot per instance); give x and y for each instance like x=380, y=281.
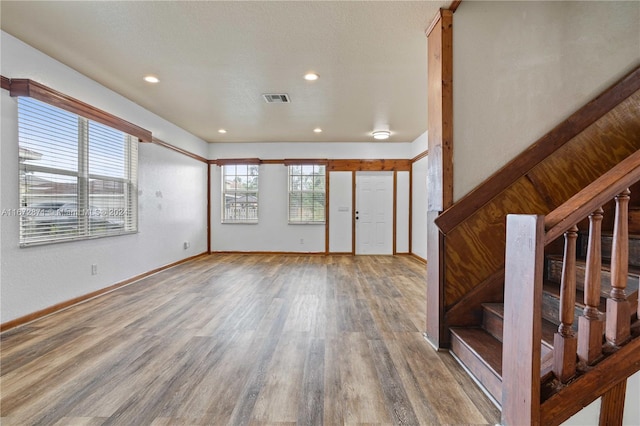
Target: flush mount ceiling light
x=311, y=76
x=222, y=131
x=317, y=130
x=381, y=134
x=151, y=79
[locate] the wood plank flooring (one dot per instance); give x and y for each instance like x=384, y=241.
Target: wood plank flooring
x=242, y=340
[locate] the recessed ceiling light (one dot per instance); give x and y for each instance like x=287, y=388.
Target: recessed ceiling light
x=222, y=131
x=317, y=130
x=311, y=76
x=151, y=79
x=381, y=134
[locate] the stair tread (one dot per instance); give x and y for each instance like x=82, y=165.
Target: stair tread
x=484, y=345
x=548, y=328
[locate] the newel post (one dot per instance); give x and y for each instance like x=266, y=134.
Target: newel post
x=524, y=259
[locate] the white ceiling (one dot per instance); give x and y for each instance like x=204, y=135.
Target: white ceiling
x=216, y=58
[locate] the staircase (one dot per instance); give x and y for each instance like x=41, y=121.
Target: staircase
x=479, y=349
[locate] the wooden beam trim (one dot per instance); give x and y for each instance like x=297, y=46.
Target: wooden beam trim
x=228, y=161
x=394, y=216
x=592, y=385
x=379, y=165
x=353, y=212
x=167, y=145
x=5, y=83
x=420, y=156
x=539, y=150
x=436, y=19
x=296, y=161
x=69, y=303
x=209, y=208
x=33, y=89
x=454, y=5
x=326, y=212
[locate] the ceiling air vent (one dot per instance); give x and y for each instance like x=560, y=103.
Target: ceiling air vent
x=276, y=98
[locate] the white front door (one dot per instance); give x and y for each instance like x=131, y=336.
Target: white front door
x=374, y=213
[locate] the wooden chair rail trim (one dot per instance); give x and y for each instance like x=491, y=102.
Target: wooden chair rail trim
x=67, y=304
x=596, y=194
x=33, y=89
x=592, y=385
x=539, y=150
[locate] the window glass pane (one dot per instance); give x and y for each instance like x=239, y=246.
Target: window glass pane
x=307, y=196
x=240, y=193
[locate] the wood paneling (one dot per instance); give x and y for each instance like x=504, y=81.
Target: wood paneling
x=243, y=339
x=474, y=248
x=33, y=89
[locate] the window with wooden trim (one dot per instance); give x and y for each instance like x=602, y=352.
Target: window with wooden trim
x=240, y=193
x=78, y=177
x=307, y=195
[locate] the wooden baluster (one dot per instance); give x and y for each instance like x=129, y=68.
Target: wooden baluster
x=618, y=325
x=590, y=324
x=565, y=342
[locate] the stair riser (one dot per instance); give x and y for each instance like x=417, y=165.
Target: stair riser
x=634, y=220
x=607, y=243
x=483, y=374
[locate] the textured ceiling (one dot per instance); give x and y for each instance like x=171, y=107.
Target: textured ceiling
x=216, y=58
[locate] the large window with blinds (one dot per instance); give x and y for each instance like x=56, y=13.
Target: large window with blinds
x=240, y=193
x=307, y=195
x=78, y=177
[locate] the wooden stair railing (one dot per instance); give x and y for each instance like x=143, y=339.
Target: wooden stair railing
x=597, y=374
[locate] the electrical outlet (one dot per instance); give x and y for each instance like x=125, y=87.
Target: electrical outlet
x=187, y=245
x=301, y=240
x=94, y=269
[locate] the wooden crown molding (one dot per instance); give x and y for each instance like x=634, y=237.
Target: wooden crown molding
x=33, y=89
x=369, y=165
x=420, y=156
x=179, y=150
x=5, y=83
x=228, y=161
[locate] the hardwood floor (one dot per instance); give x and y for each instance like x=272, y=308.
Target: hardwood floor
x=243, y=339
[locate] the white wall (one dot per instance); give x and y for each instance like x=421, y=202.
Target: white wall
x=172, y=199
x=340, y=212
x=523, y=67
x=272, y=233
x=419, y=199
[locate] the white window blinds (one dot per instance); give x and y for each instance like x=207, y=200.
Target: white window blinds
x=78, y=177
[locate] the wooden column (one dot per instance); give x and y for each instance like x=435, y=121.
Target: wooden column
x=522, y=335
x=590, y=324
x=618, y=324
x=440, y=174
x=565, y=343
